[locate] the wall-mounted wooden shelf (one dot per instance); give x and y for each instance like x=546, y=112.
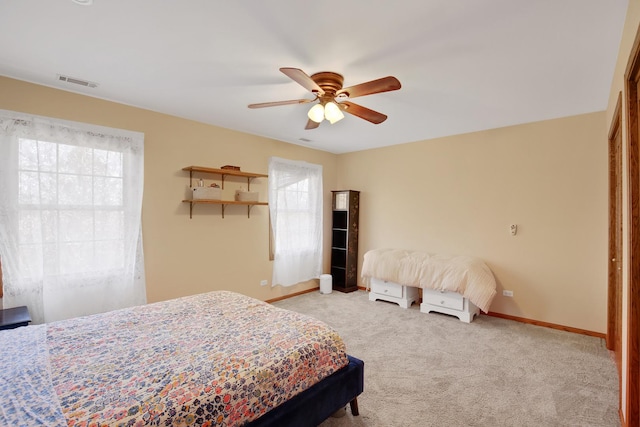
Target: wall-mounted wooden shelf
x=249, y=205
x=222, y=173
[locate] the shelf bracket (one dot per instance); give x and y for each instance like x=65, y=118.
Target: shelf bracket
x=223, y=205
x=191, y=210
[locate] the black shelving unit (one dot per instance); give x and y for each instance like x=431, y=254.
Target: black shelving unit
x=344, y=242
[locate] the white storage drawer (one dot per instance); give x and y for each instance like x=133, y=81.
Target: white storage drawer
x=386, y=288
x=450, y=303
x=451, y=300
x=404, y=296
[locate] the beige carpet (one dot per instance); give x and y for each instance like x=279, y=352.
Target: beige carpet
x=433, y=370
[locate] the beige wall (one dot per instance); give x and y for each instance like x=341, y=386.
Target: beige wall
x=458, y=195
x=453, y=195
x=187, y=256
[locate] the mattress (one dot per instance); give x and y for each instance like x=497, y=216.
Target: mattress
x=219, y=358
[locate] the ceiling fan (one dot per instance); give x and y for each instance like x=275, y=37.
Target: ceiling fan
x=333, y=98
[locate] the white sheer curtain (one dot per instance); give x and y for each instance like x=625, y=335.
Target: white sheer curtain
x=295, y=205
x=70, y=216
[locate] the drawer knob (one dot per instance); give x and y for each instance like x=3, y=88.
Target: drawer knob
x=442, y=302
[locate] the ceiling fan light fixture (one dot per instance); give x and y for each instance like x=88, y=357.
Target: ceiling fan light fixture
x=316, y=113
x=327, y=88
x=332, y=112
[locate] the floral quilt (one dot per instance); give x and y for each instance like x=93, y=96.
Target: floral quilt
x=215, y=359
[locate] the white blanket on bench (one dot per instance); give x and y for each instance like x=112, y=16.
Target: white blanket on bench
x=465, y=275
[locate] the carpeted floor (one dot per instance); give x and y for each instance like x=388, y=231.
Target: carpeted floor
x=433, y=370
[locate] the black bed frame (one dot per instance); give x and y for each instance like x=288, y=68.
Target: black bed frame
x=319, y=402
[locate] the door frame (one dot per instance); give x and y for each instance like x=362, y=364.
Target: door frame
x=614, y=294
x=632, y=391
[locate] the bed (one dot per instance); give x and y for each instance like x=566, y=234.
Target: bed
x=456, y=285
x=218, y=358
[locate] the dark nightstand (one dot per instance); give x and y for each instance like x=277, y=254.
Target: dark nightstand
x=14, y=317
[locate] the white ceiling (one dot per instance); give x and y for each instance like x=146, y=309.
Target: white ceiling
x=464, y=65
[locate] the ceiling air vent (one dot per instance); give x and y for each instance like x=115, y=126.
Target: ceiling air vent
x=76, y=81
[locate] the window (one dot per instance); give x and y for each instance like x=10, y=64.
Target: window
x=295, y=205
x=70, y=216
x=71, y=208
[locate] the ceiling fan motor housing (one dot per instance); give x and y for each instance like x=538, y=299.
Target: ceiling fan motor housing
x=329, y=82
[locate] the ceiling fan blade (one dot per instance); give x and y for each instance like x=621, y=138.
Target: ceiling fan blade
x=362, y=112
x=311, y=124
x=384, y=84
x=300, y=77
x=275, y=104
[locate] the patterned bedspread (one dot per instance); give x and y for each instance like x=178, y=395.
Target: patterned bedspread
x=213, y=359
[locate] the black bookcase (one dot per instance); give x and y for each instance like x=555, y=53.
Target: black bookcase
x=344, y=242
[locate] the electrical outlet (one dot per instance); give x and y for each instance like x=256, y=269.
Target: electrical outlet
x=507, y=293
x=264, y=282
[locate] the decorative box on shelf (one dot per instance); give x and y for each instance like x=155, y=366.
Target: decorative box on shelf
x=207, y=193
x=246, y=196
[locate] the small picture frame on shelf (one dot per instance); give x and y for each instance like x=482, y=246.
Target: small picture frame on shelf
x=341, y=201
